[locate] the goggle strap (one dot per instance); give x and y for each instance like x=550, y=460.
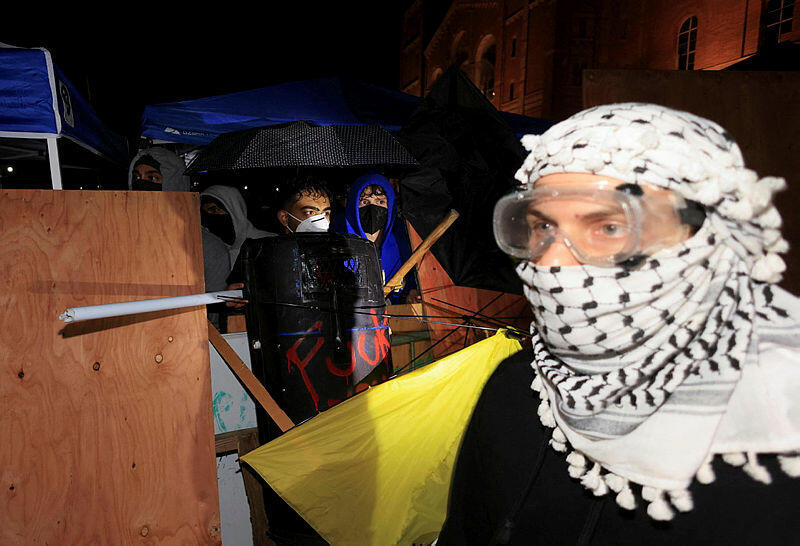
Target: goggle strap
x=693, y=214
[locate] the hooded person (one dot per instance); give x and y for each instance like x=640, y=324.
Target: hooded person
x=224, y=214
x=157, y=169
x=370, y=212
x=664, y=375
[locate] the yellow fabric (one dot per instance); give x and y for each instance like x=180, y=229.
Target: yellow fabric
x=376, y=469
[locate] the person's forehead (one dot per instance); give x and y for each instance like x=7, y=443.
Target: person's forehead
x=577, y=180
x=373, y=192
x=318, y=201
x=591, y=181
x=145, y=168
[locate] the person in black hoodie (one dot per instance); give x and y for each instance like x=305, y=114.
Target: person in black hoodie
x=660, y=401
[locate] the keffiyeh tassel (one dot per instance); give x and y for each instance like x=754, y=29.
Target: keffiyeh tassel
x=705, y=474
x=594, y=482
x=577, y=464
x=756, y=471
x=734, y=459
x=558, y=441
x=790, y=464
x=658, y=509
x=546, y=414
x=681, y=499
x=622, y=488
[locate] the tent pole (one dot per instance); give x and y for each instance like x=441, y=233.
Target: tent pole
x=55, y=164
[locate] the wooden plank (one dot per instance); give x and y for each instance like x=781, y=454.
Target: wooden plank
x=758, y=108
x=236, y=323
x=107, y=424
x=243, y=441
x=248, y=379
x=398, y=325
x=420, y=251
x=254, y=488
x=228, y=442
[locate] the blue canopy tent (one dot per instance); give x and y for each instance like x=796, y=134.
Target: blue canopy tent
x=324, y=101
x=38, y=103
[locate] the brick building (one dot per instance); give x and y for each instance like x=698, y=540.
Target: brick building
x=527, y=56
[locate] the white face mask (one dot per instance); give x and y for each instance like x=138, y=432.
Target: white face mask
x=318, y=223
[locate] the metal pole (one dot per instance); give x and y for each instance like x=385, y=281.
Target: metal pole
x=55, y=164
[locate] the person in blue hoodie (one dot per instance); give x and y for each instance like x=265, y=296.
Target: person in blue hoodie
x=371, y=213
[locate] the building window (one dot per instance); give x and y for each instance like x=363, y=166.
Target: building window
x=487, y=57
x=687, y=41
x=511, y=91
x=777, y=20
x=513, y=47
x=437, y=73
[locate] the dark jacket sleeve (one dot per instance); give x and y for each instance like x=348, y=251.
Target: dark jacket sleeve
x=502, y=434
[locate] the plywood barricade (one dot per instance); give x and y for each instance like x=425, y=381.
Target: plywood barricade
x=440, y=296
x=760, y=110
x=106, y=425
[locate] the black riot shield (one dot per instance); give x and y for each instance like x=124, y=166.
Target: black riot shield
x=315, y=319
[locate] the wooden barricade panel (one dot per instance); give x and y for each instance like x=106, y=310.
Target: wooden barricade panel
x=760, y=109
x=106, y=424
x=438, y=293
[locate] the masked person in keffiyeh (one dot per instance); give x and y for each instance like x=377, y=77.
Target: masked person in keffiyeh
x=663, y=358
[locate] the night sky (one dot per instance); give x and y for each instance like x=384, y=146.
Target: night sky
x=121, y=64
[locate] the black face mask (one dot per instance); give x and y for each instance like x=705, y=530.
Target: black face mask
x=220, y=225
x=373, y=218
x=145, y=185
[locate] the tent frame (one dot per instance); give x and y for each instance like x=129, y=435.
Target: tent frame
x=51, y=139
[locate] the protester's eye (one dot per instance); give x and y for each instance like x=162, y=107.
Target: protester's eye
x=611, y=230
x=540, y=226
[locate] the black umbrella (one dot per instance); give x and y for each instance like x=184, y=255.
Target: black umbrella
x=302, y=144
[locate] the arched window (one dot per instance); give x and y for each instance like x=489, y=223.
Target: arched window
x=778, y=16
x=487, y=55
x=435, y=75
x=459, y=56
x=687, y=41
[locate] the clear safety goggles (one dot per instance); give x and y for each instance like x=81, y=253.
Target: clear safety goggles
x=603, y=227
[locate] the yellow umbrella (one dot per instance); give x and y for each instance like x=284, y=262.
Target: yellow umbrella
x=376, y=469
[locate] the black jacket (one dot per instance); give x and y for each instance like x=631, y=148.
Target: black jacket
x=511, y=487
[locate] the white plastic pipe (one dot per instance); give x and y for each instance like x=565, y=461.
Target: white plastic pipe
x=133, y=307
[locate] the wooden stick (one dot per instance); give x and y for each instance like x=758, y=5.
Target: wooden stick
x=248, y=379
x=420, y=251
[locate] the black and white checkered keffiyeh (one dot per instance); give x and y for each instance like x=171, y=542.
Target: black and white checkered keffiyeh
x=648, y=372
